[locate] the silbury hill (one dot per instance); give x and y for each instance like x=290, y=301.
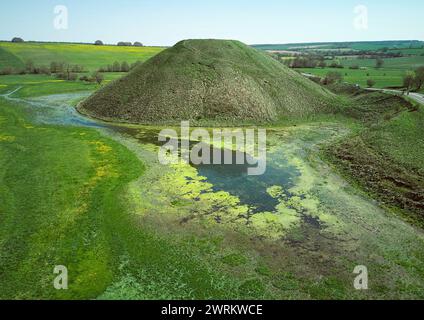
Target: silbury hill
x=209, y=81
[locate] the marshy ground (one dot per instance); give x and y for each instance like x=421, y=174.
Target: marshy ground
x=92, y=196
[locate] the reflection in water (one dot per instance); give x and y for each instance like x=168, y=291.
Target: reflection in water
x=233, y=178
x=250, y=189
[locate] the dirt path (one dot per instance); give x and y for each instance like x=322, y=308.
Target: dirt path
x=418, y=97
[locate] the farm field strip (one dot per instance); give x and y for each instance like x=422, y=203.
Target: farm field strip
x=90, y=56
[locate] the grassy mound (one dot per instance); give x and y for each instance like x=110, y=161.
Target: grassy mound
x=203, y=80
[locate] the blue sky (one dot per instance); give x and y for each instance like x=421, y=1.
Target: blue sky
x=164, y=22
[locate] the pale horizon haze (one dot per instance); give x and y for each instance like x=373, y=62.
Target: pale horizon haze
x=165, y=22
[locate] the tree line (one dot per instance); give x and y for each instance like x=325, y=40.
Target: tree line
x=314, y=61
x=333, y=77
x=414, y=80
x=119, y=67
x=54, y=68
x=64, y=70
x=97, y=43
x=121, y=44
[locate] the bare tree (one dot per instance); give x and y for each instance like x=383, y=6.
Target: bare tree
x=370, y=83
x=29, y=66
x=379, y=63
x=98, y=77
x=408, y=81
x=333, y=77
x=125, y=67
x=419, y=77
x=116, y=67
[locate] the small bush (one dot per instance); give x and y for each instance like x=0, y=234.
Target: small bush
x=56, y=67
x=336, y=65
x=116, y=66
x=125, y=67
x=332, y=77
x=379, y=63
x=370, y=83
x=72, y=76
x=315, y=79
x=69, y=76
x=44, y=70
x=98, y=77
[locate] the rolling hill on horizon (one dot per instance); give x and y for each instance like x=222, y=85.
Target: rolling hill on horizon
x=90, y=56
x=351, y=45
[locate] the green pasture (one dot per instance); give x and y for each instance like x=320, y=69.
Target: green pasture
x=40, y=85
x=384, y=78
x=90, y=56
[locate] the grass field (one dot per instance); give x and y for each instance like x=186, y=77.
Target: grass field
x=383, y=78
x=401, y=64
x=93, y=57
x=90, y=56
x=58, y=196
x=77, y=189
x=69, y=182
x=128, y=228
x=334, y=46
x=39, y=85
x=390, y=75
x=72, y=185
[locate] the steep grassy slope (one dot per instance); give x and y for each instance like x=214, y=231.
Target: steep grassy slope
x=386, y=158
x=90, y=56
x=201, y=80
